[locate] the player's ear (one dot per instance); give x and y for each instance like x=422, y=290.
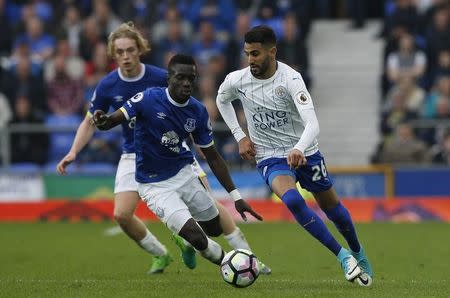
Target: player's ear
x=273, y=51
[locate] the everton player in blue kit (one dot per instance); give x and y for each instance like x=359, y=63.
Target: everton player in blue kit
x=126, y=45
x=165, y=117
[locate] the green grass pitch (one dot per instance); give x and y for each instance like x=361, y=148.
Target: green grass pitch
x=78, y=260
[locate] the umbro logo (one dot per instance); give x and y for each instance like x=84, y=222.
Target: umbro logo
x=118, y=98
x=161, y=115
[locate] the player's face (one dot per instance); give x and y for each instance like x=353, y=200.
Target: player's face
x=126, y=54
x=181, y=81
x=259, y=58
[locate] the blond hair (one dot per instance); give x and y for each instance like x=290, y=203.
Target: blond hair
x=127, y=30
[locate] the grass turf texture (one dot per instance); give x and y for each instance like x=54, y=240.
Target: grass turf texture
x=77, y=260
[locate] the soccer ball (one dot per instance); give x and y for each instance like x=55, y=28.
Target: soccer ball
x=240, y=268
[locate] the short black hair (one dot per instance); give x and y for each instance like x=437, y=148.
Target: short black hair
x=181, y=59
x=262, y=34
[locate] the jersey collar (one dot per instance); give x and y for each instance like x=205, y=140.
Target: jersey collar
x=174, y=102
x=133, y=79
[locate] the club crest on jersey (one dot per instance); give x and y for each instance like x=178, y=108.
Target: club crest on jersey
x=302, y=98
x=189, y=126
x=137, y=97
x=280, y=92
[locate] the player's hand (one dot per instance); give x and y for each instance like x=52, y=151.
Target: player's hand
x=67, y=160
x=242, y=206
x=296, y=159
x=247, y=149
x=99, y=119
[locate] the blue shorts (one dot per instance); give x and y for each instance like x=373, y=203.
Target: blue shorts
x=313, y=176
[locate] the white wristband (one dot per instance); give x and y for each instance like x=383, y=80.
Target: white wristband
x=235, y=195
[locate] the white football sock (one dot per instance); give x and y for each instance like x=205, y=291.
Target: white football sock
x=213, y=252
x=151, y=245
x=237, y=240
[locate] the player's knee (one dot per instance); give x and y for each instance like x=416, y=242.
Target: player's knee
x=122, y=218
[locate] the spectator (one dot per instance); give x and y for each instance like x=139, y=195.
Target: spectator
x=161, y=29
x=441, y=90
x=23, y=144
x=107, y=21
x=407, y=61
x=74, y=64
x=72, y=25
x=440, y=153
x=96, y=69
x=234, y=55
x=404, y=13
x=65, y=95
x=267, y=15
x=21, y=81
x=404, y=148
x=40, y=43
x=438, y=34
x=173, y=41
x=398, y=114
x=89, y=37
x=207, y=45
x=408, y=88
x=220, y=13
x=291, y=49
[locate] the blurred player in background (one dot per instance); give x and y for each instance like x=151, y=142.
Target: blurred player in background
x=164, y=119
x=126, y=45
x=283, y=128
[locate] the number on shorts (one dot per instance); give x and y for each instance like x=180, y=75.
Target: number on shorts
x=319, y=171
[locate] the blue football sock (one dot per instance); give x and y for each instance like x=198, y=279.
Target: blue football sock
x=309, y=220
x=341, y=218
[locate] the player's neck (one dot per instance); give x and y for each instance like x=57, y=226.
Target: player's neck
x=133, y=72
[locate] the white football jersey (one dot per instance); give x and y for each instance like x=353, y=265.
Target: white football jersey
x=271, y=107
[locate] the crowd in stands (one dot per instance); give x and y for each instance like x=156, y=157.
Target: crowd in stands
x=53, y=54
x=415, y=84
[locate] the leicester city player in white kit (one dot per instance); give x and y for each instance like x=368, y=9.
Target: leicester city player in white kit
x=165, y=118
x=283, y=130
x=126, y=45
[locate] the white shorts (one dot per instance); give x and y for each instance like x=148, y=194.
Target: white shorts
x=198, y=169
x=178, y=199
x=125, y=175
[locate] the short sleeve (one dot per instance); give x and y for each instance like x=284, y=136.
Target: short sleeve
x=133, y=105
x=203, y=133
x=98, y=101
x=226, y=92
x=300, y=95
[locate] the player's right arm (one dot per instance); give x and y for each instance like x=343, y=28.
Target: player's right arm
x=224, y=99
x=84, y=134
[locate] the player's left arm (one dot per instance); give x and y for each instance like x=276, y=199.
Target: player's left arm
x=303, y=103
x=220, y=170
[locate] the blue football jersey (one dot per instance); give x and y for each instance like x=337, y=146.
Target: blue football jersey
x=114, y=90
x=160, y=129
